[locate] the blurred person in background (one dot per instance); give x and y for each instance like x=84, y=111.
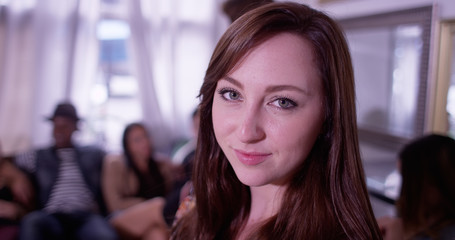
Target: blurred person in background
x=185, y=156
x=186, y=152
x=426, y=204
x=16, y=198
x=67, y=181
x=136, y=184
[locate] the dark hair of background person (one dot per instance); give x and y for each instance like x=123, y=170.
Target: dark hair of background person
x=236, y=8
x=327, y=197
x=152, y=184
x=427, y=200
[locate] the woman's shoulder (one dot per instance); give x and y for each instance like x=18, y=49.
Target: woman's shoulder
x=165, y=164
x=115, y=161
x=161, y=157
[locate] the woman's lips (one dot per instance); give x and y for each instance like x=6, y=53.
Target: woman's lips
x=251, y=158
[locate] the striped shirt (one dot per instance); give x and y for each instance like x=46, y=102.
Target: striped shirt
x=70, y=192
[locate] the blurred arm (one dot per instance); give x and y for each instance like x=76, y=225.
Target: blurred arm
x=18, y=182
x=113, y=180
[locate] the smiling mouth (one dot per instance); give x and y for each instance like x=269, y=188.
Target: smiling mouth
x=251, y=158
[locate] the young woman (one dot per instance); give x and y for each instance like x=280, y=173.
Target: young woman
x=277, y=154
x=425, y=206
x=134, y=187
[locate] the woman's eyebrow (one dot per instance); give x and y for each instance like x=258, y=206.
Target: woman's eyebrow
x=276, y=88
x=273, y=88
x=233, y=81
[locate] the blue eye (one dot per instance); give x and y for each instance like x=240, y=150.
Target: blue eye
x=284, y=103
x=232, y=95
x=229, y=94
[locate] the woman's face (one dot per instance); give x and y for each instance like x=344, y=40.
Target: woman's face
x=268, y=112
x=139, y=144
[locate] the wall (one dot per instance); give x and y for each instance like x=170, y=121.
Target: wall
x=346, y=9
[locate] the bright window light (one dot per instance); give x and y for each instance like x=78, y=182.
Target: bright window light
x=112, y=29
x=98, y=94
x=4, y=2
x=123, y=86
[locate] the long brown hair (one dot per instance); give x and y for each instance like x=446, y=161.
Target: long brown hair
x=426, y=202
x=327, y=197
x=151, y=184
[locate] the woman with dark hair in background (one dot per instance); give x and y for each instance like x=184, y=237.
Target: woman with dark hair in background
x=277, y=154
x=135, y=185
x=426, y=205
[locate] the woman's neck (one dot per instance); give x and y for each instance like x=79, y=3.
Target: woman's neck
x=265, y=203
x=141, y=164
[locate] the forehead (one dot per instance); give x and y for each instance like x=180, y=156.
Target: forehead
x=63, y=121
x=137, y=130
x=285, y=45
x=285, y=56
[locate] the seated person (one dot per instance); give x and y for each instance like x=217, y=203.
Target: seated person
x=16, y=198
x=185, y=153
x=425, y=205
x=67, y=184
x=135, y=185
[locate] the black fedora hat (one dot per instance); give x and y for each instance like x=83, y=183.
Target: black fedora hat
x=66, y=110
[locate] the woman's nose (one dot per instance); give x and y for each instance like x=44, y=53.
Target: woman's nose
x=251, y=125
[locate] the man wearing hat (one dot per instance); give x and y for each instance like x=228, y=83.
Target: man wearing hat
x=67, y=181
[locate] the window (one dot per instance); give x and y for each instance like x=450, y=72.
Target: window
x=114, y=95
x=390, y=55
x=451, y=92
x=444, y=113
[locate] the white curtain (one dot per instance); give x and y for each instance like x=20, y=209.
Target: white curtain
x=143, y=52
x=172, y=42
x=49, y=53
x=39, y=67
x=85, y=66
x=17, y=73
